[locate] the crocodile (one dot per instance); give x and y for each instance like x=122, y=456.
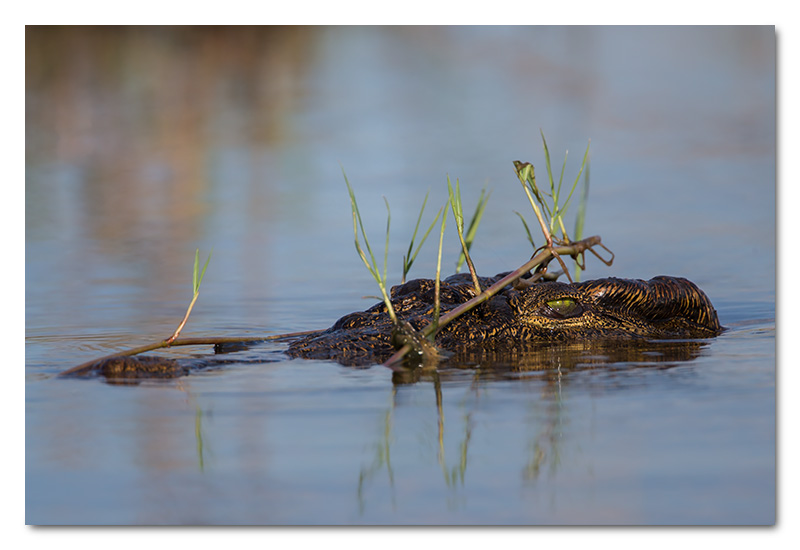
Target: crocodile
x=517, y=319
x=602, y=309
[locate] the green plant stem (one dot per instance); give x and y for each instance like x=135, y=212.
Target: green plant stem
x=579, y=220
x=178, y=330
x=526, y=178
x=438, y=283
x=527, y=230
x=469, y=237
x=198, y=435
x=408, y=259
x=476, y=283
x=196, y=281
x=458, y=215
x=372, y=268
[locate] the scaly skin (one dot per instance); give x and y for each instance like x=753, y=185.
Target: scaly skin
x=514, y=320
x=609, y=309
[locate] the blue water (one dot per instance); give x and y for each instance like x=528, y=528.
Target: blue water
x=144, y=144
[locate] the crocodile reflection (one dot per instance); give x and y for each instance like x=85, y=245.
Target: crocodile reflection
x=554, y=360
x=542, y=371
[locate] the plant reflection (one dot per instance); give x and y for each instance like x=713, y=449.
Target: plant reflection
x=382, y=457
x=551, y=369
x=198, y=434
x=545, y=444
x=198, y=424
x=456, y=473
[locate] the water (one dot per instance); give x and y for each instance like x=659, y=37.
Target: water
x=144, y=144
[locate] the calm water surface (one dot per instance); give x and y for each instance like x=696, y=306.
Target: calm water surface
x=144, y=144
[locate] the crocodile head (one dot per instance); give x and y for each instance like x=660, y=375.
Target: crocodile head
x=603, y=309
x=663, y=307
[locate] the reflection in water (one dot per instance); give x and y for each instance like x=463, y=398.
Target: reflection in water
x=546, y=437
x=456, y=472
x=552, y=361
x=453, y=472
x=198, y=434
x=553, y=366
x=381, y=459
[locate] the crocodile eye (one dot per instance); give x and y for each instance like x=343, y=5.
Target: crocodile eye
x=563, y=308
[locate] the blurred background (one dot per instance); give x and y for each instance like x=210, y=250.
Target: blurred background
x=143, y=144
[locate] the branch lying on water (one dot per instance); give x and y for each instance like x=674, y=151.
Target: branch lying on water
x=575, y=250
x=85, y=368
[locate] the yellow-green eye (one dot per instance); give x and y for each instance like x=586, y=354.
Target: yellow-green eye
x=565, y=307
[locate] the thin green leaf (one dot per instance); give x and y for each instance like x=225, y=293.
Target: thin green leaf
x=527, y=229
x=373, y=267
x=357, y=223
x=527, y=179
x=455, y=206
x=410, y=261
x=574, y=185
x=547, y=160
x=560, y=179
x=411, y=255
x=202, y=273
x=455, y=202
x=196, y=281
x=436, y=300
x=531, y=181
x=582, y=206
x=458, y=202
x=414, y=235
x=579, y=220
x=194, y=272
x=386, y=250
x=476, y=217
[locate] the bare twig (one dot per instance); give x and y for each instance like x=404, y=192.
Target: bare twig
x=87, y=367
x=178, y=330
x=573, y=249
x=197, y=278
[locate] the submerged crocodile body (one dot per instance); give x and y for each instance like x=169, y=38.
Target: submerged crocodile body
x=514, y=321
x=608, y=309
